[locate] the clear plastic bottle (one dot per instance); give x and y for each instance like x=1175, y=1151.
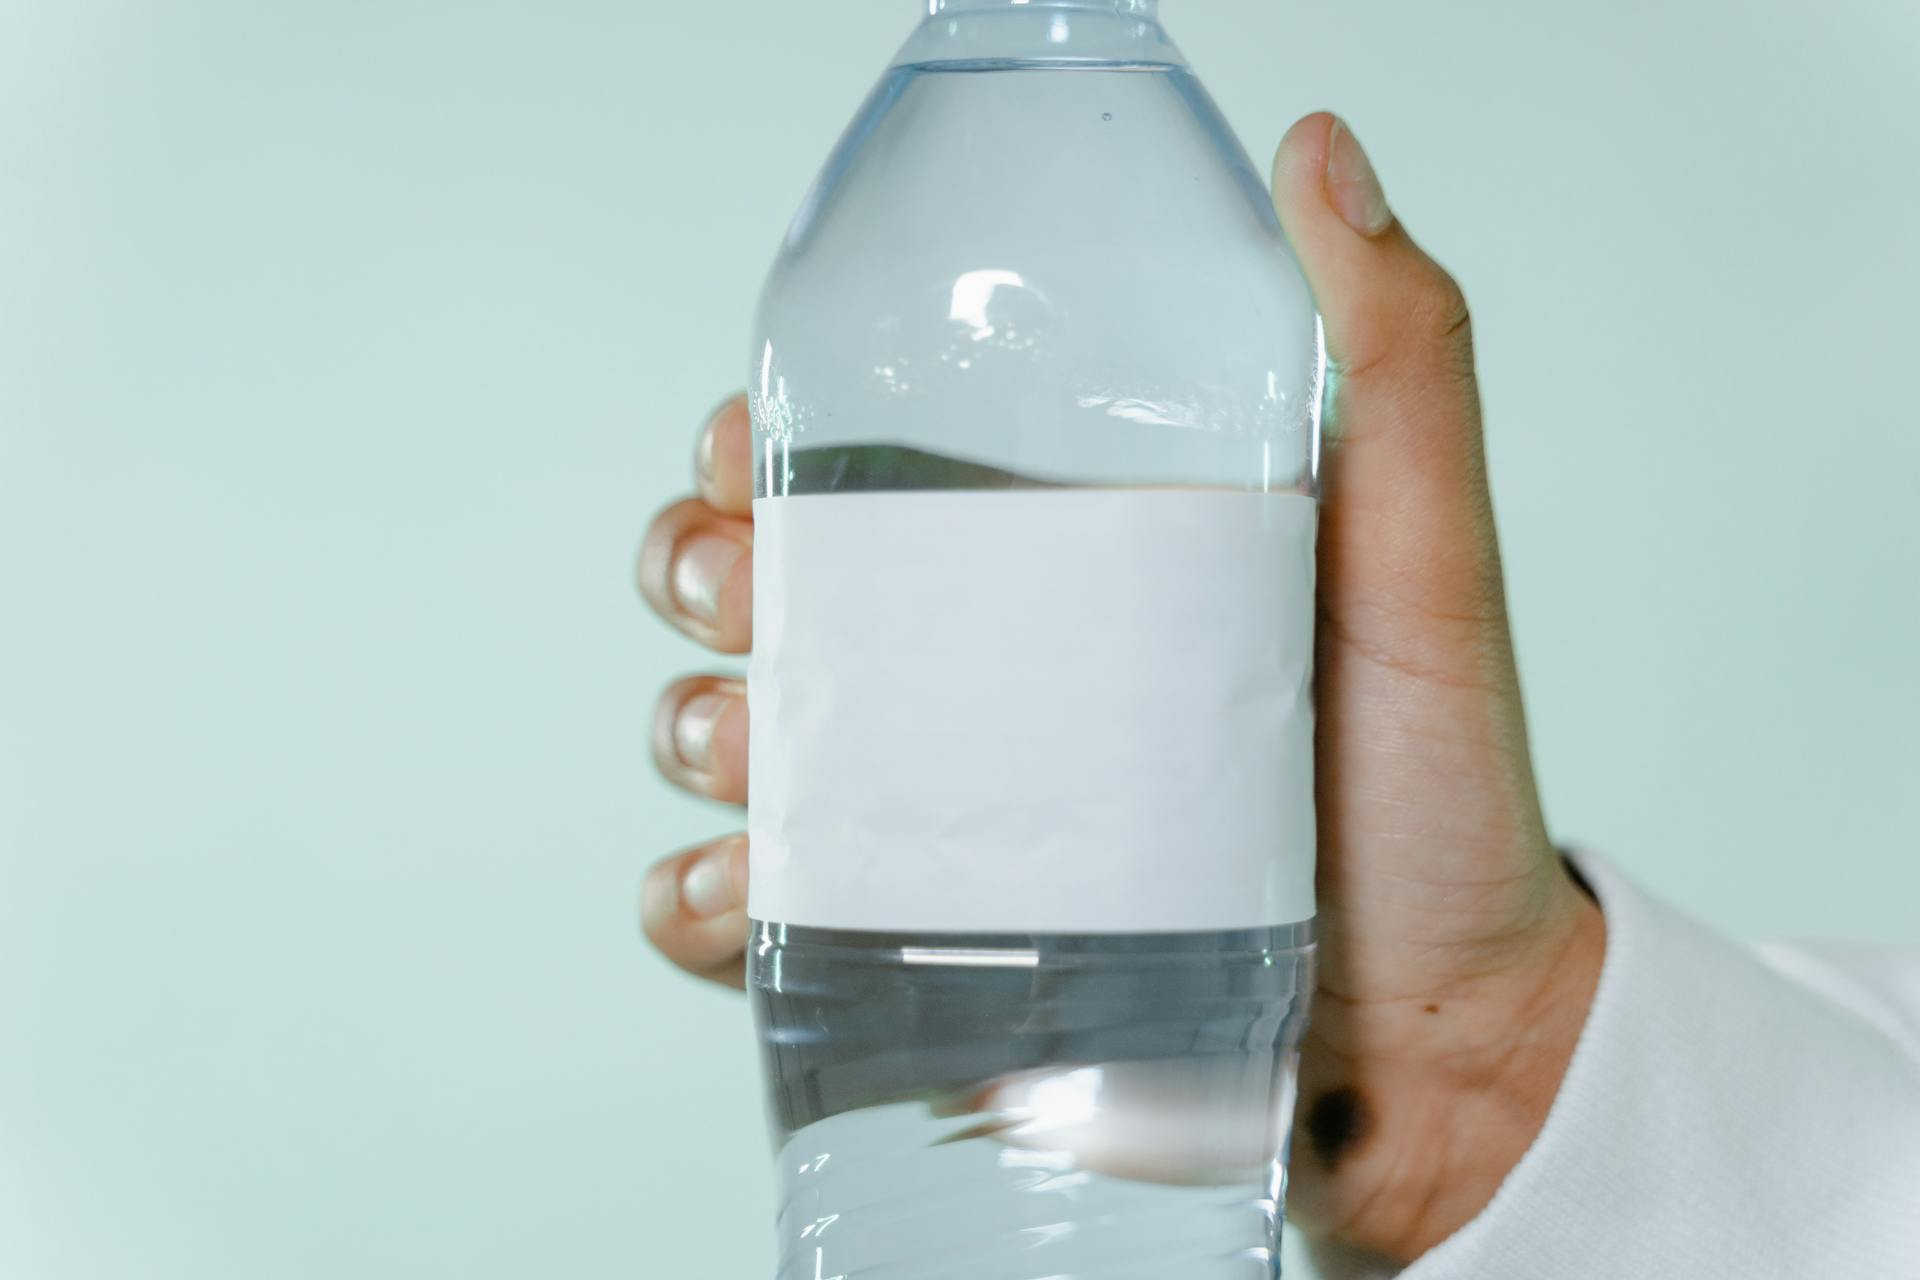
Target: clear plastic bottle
x=1036, y=392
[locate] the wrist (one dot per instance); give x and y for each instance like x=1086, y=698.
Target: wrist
x=1435, y=1128
x=1497, y=1108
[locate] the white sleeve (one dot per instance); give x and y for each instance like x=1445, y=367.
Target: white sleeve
x=1729, y=1114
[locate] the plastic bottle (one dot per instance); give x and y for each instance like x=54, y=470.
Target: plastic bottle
x=1036, y=391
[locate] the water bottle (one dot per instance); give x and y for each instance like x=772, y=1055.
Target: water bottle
x=1036, y=394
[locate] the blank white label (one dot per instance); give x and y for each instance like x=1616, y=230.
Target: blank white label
x=1046, y=711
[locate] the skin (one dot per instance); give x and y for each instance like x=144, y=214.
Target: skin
x=1459, y=955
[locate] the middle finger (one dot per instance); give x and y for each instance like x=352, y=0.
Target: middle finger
x=700, y=737
x=696, y=570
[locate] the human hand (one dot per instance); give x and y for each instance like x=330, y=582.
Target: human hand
x=1458, y=957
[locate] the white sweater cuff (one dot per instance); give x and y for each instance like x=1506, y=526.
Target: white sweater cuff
x=1719, y=1118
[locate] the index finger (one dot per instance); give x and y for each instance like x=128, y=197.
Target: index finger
x=723, y=458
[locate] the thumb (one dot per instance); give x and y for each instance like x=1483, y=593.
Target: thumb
x=1407, y=532
x=1425, y=743
x=1437, y=880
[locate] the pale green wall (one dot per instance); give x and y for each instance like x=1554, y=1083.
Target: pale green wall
x=345, y=348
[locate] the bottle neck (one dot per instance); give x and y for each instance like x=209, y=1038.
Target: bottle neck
x=1086, y=32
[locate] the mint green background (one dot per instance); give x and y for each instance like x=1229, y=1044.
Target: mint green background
x=345, y=349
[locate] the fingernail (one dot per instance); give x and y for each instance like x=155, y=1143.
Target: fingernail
x=693, y=729
x=700, y=569
x=1353, y=187
x=707, y=888
x=659, y=898
x=703, y=456
x=703, y=449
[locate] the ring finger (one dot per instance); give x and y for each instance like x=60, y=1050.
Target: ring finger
x=700, y=736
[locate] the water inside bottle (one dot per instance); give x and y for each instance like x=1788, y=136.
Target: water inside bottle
x=1030, y=1107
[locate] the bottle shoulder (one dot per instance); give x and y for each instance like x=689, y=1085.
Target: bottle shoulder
x=1096, y=192
x=1050, y=263
x=1124, y=155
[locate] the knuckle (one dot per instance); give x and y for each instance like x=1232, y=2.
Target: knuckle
x=1443, y=309
x=1428, y=326
x=1452, y=326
